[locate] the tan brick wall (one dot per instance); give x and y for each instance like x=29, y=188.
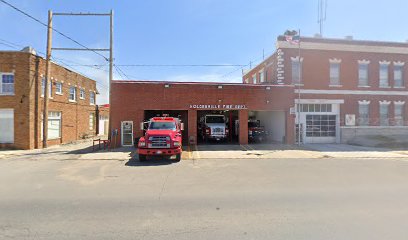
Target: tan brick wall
x=19, y=64
x=28, y=103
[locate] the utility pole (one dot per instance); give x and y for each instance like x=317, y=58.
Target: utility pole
x=47, y=79
x=84, y=48
x=110, y=73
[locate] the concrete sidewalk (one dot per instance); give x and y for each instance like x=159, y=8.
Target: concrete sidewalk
x=351, y=151
x=83, y=151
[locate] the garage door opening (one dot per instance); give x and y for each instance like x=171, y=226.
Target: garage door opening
x=217, y=127
x=266, y=127
x=181, y=114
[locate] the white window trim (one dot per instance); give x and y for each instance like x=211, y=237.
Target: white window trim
x=385, y=102
x=59, y=93
x=364, y=102
x=384, y=62
x=75, y=95
x=94, y=94
x=80, y=91
x=296, y=59
x=262, y=71
x=399, y=102
x=335, y=60
x=364, y=61
x=1, y=84
x=254, y=78
x=50, y=90
x=399, y=63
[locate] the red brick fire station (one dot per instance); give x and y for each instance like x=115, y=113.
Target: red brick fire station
x=334, y=91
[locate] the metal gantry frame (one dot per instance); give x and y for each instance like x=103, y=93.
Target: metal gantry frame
x=48, y=60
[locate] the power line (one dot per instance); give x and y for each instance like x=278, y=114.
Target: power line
x=55, y=30
x=120, y=70
x=60, y=61
x=242, y=67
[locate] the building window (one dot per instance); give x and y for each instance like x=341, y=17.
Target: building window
x=261, y=76
x=246, y=80
x=254, y=78
x=296, y=70
x=72, y=94
x=362, y=74
x=315, y=108
x=50, y=89
x=384, y=114
x=82, y=93
x=384, y=75
x=398, y=76
x=399, y=113
x=7, y=84
x=42, y=87
x=91, y=121
x=58, y=88
x=334, y=74
x=364, y=114
x=92, y=98
x=54, y=126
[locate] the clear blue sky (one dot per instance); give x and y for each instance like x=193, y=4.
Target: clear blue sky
x=194, y=31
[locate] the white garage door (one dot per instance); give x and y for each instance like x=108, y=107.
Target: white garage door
x=6, y=125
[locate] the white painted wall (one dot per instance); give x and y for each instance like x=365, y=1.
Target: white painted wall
x=274, y=122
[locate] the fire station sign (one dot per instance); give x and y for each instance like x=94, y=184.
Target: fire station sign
x=218, y=106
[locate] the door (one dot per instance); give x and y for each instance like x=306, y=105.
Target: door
x=7, y=125
x=321, y=128
x=127, y=133
x=103, y=125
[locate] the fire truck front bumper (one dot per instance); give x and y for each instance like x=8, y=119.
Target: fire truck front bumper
x=159, y=151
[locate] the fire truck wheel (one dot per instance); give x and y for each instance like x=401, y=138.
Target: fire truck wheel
x=142, y=158
x=178, y=157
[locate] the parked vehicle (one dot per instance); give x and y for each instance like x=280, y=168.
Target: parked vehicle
x=213, y=127
x=162, y=138
x=256, y=132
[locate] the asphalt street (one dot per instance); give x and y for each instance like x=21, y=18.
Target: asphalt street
x=328, y=198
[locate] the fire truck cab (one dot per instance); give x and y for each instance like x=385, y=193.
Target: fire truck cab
x=163, y=137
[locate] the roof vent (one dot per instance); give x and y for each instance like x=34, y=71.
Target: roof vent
x=317, y=35
x=29, y=49
x=349, y=37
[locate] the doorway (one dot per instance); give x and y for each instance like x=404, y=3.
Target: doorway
x=127, y=133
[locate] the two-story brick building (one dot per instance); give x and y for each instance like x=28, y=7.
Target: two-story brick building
x=72, y=98
x=337, y=89
x=345, y=88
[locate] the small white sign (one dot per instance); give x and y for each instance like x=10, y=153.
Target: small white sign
x=292, y=111
x=350, y=120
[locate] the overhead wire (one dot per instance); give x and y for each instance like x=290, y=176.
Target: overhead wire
x=55, y=30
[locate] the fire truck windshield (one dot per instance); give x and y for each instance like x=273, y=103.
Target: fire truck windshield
x=162, y=126
x=215, y=119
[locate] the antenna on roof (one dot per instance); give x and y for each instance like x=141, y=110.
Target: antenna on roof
x=321, y=14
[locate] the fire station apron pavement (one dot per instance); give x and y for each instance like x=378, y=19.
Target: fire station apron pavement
x=266, y=151
x=281, y=151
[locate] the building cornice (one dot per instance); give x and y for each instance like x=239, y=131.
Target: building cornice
x=344, y=47
x=351, y=92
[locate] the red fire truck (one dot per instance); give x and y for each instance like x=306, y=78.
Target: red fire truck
x=162, y=138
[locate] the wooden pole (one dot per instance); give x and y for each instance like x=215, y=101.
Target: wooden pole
x=110, y=73
x=47, y=80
